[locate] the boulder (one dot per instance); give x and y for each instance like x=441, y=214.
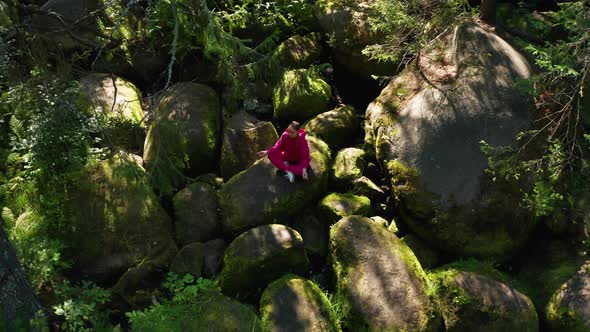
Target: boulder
x=119, y=101
x=298, y=51
x=473, y=302
x=300, y=94
x=338, y=127
x=116, y=221
x=199, y=259
x=260, y=196
x=380, y=278
x=243, y=136
x=113, y=96
x=349, y=165
x=259, y=256
x=183, y=138
x=335, y=206
x=569, y=307
x=292, y=303
x=428, y=136
x=347, y=22
x=195, y=211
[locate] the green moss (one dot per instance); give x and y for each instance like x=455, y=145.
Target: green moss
x=298, y=51
x=349, y=165
x=300, y=94
x=209, y=312
x=335, y=206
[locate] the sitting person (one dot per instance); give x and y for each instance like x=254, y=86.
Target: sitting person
x=290, y=154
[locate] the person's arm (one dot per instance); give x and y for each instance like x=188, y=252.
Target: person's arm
x=305, y=156
x=277, y=147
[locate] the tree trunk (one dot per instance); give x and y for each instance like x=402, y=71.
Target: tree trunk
x=18, y=304
x=487, y=11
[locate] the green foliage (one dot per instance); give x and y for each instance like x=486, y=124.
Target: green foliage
x=81, y=307
x=409, y=25
x=285, y=17
x=186, y=292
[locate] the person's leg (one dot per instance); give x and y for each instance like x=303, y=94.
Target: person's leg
x=278, y=159
x=296, y=169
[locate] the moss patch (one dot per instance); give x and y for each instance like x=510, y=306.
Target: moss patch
x=300, y=94
x=335, y=206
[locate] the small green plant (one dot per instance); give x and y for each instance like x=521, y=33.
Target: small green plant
x=80, y=308
x=186, y=292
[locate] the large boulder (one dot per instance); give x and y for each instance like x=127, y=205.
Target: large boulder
x=300, y=95
x=381, y=279
x=292, y=303
x=120, y=102
x=195, y=211
x=211, y=312
x=243, y=136
x=260, y=196
x=259, y=256
x=116, y=221
x=298, y=51
x=569, y=307
x=338, y=127
x=473, y=302
x=183, y=138
x=347, y=22
x=336, y=206
x=428, y=135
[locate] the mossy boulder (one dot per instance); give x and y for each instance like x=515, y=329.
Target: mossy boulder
x=259, y=195
x=349, y=165
x=199, y=259
x=116, y=221
x=335, y=206
x=211, y=312
x=113, y=96
x=298, y=51
x=429, y=140
x=195, y=211
x=474, y=302
x=380, y=278
x=347, y=24
x=569, y=307
x=243, y=136
x=427, y=257
x=183, y=138
x=261, y=255
x=300, y=94
x=338, y=127
x=292, y=303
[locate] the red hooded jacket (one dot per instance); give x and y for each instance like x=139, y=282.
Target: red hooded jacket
x=293, y=149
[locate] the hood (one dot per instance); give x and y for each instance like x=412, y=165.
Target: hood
x=302, y=132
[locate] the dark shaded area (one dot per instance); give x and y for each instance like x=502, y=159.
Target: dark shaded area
x=352, y=89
